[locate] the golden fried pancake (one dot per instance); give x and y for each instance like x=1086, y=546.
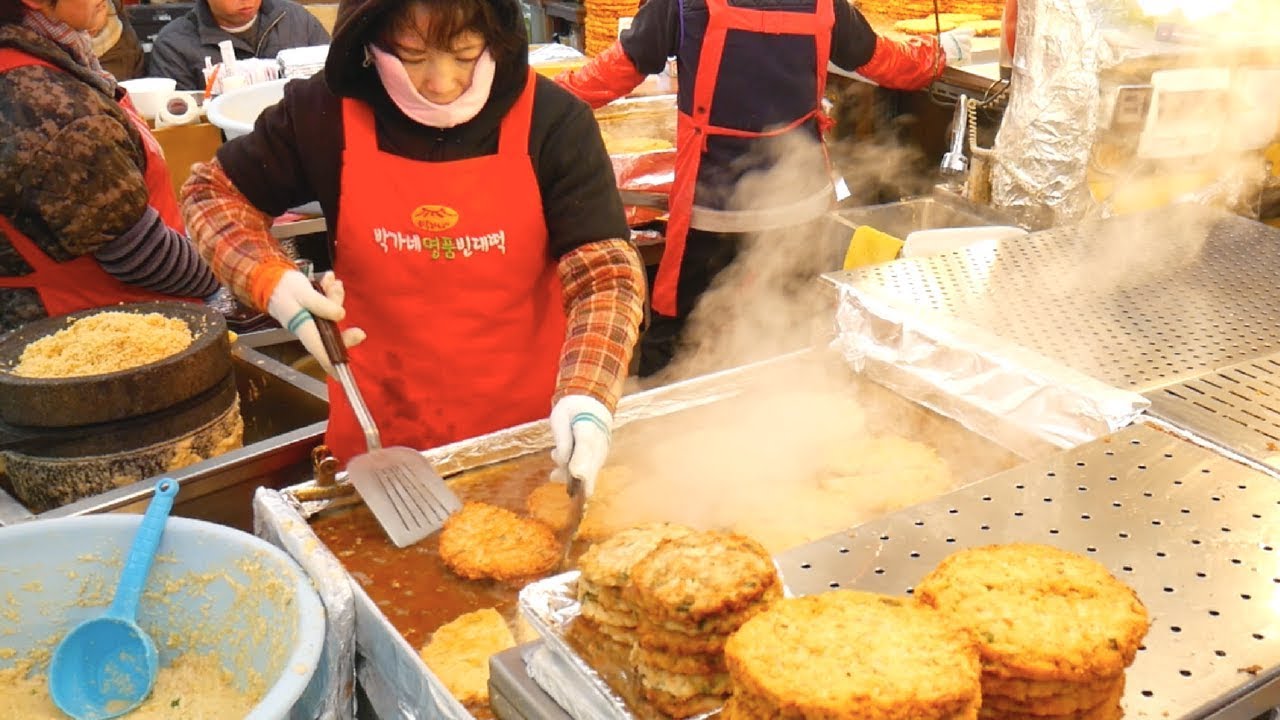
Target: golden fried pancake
x=848, y=655
x=550, y=505
x=1018, y=689
x=630, y=145
x=728, y=622
x=683, y=707
x=983, y=28
x=1038, y=612
x=690, y=578
x=459, y=653
x=603, y=616
x=923, y=26
x=1109, y=709
x=609, y=563
x=681, y=686
x=1063, y=704
x=484, y=541
x=687, y=663
x=651, y=637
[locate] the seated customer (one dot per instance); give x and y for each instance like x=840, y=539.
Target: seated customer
x=256, y=29
x=116, y=44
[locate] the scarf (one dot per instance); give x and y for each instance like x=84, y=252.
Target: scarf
x=421, y=110
x=74, y=42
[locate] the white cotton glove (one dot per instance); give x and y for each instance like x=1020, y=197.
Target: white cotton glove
x=580, y=426
x=957, y=45
x=294, y=302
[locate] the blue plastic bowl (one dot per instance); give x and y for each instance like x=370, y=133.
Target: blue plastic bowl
x=212, y=589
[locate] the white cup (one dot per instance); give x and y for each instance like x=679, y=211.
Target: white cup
x=149, y=94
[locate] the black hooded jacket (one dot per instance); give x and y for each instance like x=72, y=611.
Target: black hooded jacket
x=294, y=155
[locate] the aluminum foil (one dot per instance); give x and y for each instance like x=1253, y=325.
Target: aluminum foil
x=396, y=681
x=984, y=382
x=551, y=607
x=1042, y=150
x=331, y=694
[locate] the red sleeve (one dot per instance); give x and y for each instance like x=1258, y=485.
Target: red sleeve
x=905, y=65
x=609, y=76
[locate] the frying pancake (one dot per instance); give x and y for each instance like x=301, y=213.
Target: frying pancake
x=550, y=505
x=485, y=541
x=459, y=653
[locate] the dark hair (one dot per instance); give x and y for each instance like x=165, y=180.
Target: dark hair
x=11, y=12
x=450, y=18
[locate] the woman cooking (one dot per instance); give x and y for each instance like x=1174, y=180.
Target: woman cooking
x=476, y=230
x=88, y=217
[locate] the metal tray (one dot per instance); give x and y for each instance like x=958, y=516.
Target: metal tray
x=391, y=663
x=1061, y=331
x=1190, y=530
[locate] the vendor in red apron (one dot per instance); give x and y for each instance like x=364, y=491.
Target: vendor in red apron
x=752, y=75
x=88, y=216
x=483, y=274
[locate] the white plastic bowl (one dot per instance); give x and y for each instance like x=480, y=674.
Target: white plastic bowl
x=236, y=111
x=212, y=588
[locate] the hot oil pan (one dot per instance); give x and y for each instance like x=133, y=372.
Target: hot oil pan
x=399, y=597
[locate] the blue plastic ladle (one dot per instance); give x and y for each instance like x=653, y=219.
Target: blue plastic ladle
x=106, y=666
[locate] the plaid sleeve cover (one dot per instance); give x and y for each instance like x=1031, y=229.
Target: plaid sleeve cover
x=233, y=236
x=604, y=289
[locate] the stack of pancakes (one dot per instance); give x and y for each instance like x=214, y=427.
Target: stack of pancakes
x=904, y=9
x=690, y=594
x=671, y=596
x=602, y=22
x=1055, y=630
x=848, y=655
x=606, y=571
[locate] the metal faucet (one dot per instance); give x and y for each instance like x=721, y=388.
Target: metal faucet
x=954, y=162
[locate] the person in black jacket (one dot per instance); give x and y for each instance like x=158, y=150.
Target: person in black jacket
x=256, y=29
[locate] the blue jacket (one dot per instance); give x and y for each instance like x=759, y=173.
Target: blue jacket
x=182, y=45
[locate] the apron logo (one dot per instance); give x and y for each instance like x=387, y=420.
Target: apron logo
x=440, y=246
x=434, y=218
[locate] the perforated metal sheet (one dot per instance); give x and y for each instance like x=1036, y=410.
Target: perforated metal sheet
x=1138, y=302
x=1237, y=407
x=1194, y=533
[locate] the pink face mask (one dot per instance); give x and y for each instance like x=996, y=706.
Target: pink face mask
x=406, y=97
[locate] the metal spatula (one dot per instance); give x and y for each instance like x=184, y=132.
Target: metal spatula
x=406, y=495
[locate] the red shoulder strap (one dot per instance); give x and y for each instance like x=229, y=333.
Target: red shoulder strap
x=11, y=58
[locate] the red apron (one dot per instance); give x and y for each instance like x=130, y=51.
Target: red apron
x=446, y=267
x=692, y=131
x=81, y=283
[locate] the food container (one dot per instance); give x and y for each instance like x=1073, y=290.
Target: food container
x=212, y=590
